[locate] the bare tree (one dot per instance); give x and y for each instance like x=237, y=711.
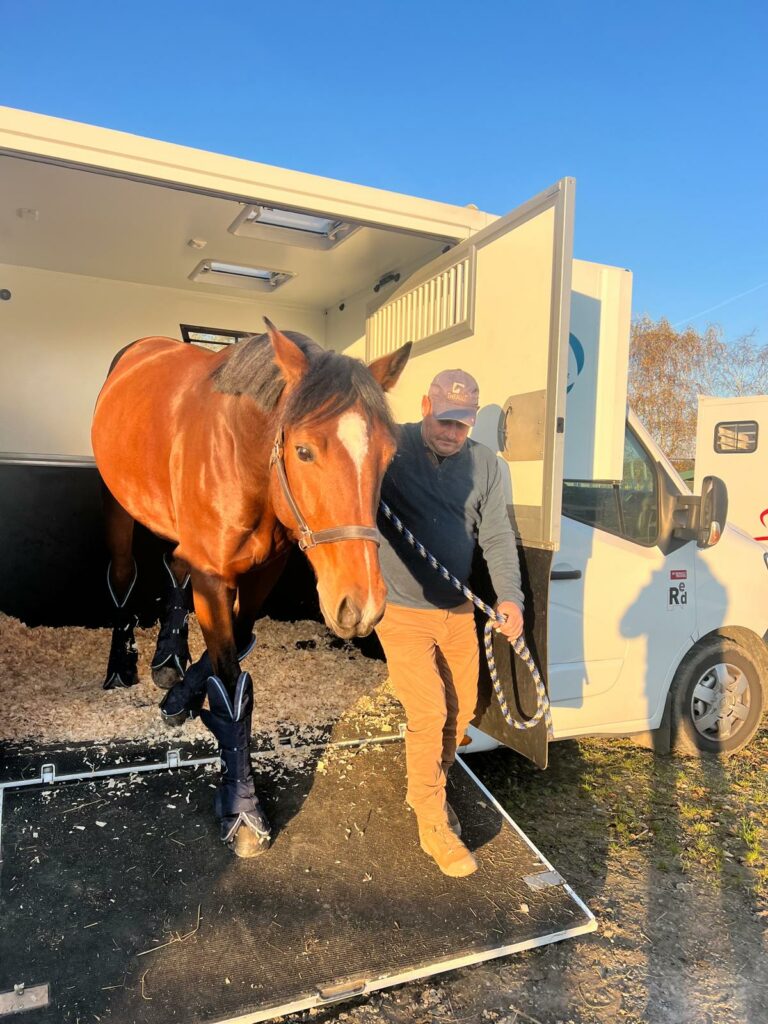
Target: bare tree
x=741, y=369
x=669, y=369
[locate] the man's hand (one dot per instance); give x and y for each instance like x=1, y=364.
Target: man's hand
x=513, y=626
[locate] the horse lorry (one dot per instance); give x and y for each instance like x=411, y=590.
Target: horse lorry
x=644, y=614
x=730, y=443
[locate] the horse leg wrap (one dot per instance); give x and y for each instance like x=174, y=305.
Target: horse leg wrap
x=229, y=719
x=187, y=696
x=172, y=650
x=122, y=667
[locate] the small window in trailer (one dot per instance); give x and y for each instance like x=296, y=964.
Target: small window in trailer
x=736, y=437
x=213, y=338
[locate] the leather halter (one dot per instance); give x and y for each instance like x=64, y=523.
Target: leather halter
x=308, y=538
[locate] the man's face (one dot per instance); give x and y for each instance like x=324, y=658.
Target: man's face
x=444, y=437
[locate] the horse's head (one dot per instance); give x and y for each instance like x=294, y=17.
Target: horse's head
x=337, y=441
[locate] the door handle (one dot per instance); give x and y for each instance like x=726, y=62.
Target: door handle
x=565, y=574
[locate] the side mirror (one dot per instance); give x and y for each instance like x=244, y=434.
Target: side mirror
x=702, y=518
x=713, y=511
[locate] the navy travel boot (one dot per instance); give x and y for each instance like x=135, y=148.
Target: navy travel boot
x=187, y=696
x=122, y=667
x=243, y=825
x=169, y=665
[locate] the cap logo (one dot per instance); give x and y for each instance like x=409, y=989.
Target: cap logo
x=454, y=395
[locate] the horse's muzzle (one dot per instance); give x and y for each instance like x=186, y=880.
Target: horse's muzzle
x=350, y=620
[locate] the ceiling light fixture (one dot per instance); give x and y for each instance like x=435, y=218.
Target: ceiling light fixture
x=275, y=224
x=236, y=275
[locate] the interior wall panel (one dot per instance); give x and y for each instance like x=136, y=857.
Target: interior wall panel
x=59, y=332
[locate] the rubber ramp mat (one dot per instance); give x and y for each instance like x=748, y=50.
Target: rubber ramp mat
x=118, y=894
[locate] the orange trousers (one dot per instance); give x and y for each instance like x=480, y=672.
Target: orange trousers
x=432, y=657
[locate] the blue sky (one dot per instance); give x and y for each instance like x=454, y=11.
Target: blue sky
x=659, y=110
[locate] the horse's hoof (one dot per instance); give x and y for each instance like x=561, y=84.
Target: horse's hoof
x=246, y=844
x=120, y=680
x=247, y=836
x=165, y=676
x=170, y=717
x=173, y=721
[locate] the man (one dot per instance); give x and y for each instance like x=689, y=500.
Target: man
x=448, y=491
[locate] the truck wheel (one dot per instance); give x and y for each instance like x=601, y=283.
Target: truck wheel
x=718, y=697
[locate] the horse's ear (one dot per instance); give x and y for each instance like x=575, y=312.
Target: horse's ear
x=387, y=369
x=289, y=358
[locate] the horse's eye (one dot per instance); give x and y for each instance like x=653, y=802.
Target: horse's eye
x=304, y=453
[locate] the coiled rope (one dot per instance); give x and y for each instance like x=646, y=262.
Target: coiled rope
x=519, y=646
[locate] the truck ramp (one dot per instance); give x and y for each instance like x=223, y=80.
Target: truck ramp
x=118, y=902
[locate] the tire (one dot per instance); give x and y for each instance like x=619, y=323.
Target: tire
x=718, y=697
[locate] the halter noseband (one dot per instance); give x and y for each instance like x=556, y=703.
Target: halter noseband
x=308, y=539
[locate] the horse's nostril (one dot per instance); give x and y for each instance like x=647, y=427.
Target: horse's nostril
x=348, y=615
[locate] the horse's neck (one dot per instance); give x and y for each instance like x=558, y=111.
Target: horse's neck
x=253, y=434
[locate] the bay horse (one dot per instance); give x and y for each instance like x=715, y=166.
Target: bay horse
x=234, y=456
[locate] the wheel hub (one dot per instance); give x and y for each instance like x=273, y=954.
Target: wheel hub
x=720, y=702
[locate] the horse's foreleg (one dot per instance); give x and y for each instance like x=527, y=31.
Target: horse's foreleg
x=186, y=696
x=253, y=588
x=243, y=825
x=172, y=657
x=122, y=668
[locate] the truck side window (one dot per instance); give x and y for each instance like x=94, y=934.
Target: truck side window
x=593, y=503
x=637, y=493
x=628, y=509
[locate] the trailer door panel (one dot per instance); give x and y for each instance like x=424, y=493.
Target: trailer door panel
x=497, y=305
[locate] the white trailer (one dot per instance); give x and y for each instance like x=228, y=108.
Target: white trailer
x=731, y=444
x=639, y=620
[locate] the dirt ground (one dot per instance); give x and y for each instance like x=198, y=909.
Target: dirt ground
x=671, y=855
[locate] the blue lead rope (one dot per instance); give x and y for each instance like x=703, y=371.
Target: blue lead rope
x=519, y=645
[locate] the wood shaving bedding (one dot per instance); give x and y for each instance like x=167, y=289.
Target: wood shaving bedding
x=51, y=684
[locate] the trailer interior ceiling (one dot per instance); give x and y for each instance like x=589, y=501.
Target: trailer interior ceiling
x=81, y=222
x=95, y=260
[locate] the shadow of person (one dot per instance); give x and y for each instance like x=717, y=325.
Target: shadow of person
x=703, y=931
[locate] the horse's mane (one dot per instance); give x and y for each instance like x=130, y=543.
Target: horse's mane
x=332, y=384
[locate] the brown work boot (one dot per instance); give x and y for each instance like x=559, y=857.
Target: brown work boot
x=447, y=850
x=453, y=820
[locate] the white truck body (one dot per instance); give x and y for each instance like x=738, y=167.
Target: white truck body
x=102, y=237
x=731, y=443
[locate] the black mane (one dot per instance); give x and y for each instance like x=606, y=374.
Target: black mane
x=332, y=384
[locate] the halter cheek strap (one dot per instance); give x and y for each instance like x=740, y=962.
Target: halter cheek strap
x=308, y=538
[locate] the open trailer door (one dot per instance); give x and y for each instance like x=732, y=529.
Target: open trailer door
x=497, y=305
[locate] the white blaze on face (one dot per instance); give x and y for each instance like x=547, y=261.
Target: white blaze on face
x=353, y=434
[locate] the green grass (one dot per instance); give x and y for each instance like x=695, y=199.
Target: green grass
x=607, y=799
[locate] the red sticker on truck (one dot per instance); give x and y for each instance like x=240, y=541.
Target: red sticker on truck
x=678, y=574
x=763, y=516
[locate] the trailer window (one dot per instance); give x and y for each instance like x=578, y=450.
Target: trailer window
x=736, y=436
x=213, y=338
